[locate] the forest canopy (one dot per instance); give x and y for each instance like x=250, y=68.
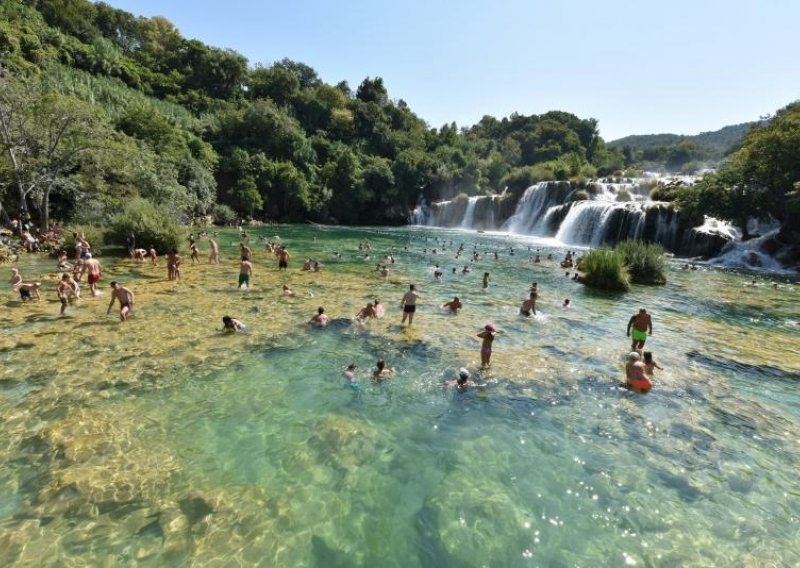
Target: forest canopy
x=99, y=107
x=196, y=129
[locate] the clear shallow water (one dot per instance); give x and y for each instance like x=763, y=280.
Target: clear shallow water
x=163, y=441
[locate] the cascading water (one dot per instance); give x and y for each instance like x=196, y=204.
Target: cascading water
x=600, y=213
x=533, y=205
x=469, y=214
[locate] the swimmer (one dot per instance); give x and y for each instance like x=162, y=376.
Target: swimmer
x=245, y=272
x=350, y=375
x=287, y=291
x=213, y=255
x=636, y=380
x=92, y=266
x=485, y=280
x=638, y=327
x=245, y=251
x=381, y=372
x=649, y=364
x=320, y=319
x=409, y=304
x=283, y=258
x=125, y=297
x=366, y=313
x=528, y=307
x=173, y=265
x=63, y=261
x=230, y=325
x=566, y=304
x=487, y=335
x=437, y=273
x=195, y=256
x=454, y=305
x=16, y=278
x=378, y=307
x=64, y=290
x=29, y=291
x=462, y=383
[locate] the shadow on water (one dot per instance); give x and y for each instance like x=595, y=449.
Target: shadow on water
x=685, y=490
x=729, y=366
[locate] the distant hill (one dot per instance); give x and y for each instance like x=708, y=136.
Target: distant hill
x=717, y=142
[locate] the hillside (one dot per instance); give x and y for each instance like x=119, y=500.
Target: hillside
x=718, y=142
x=195, y=129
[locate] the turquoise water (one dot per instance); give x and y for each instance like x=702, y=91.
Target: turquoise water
x=164, y=442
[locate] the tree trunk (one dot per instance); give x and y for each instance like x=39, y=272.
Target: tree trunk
x=743, y=226
x=46, y=210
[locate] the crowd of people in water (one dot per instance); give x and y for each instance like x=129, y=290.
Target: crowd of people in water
x=639, y=367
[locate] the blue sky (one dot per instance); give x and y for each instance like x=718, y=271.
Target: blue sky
x=638, y=67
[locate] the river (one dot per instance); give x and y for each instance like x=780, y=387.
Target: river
x=162, y=441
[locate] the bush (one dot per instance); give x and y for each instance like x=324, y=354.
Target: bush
x=645, y=261
x=222, y=214
x=6, y=254
x=605, y=269
x=94, y=234
x=151, y=226
x=580, y=195
x=666, y=192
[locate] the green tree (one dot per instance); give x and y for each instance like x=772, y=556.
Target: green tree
x=44, y=137
x=246, y=197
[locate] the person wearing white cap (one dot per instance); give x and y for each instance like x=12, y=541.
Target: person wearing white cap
x=635, y=376
x=462, y=382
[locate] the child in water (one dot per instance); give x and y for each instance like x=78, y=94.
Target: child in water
x=230, y=325
x=649, y=364
x=488, y=334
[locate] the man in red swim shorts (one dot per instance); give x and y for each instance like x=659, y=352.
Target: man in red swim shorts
x=92, y=266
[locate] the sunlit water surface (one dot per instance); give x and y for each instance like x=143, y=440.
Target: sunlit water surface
x=162, y=441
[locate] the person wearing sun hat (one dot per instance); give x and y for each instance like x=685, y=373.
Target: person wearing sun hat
x=488, y=334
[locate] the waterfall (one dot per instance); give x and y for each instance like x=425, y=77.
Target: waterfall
x=418, y=216
x=586, y=223
x=469, y=214
x=615, y=210
x=533, y=205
